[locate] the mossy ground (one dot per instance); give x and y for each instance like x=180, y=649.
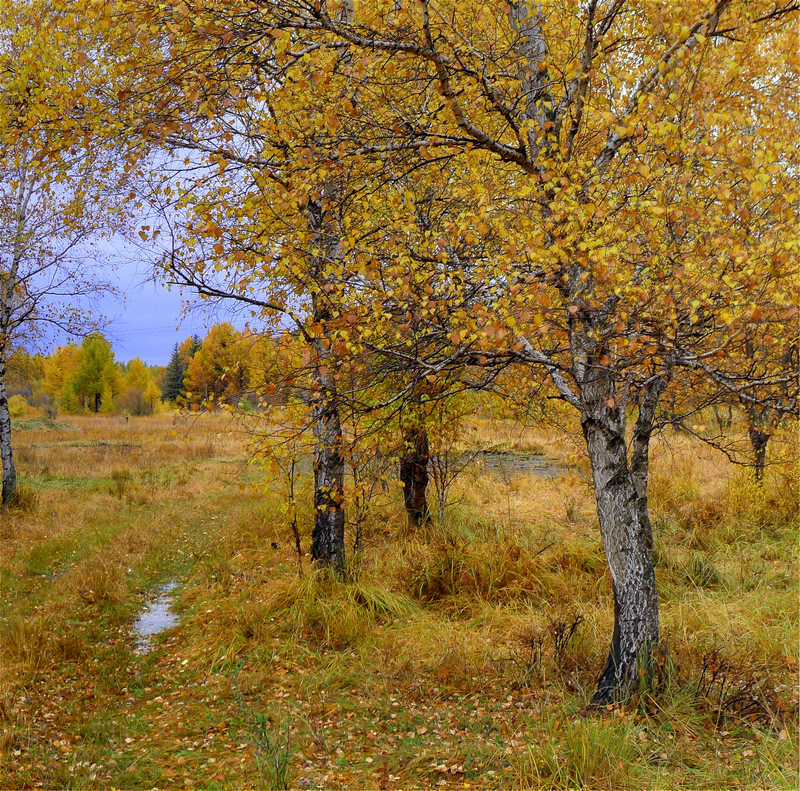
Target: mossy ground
x=448, y=658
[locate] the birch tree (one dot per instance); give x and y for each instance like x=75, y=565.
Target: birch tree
x=597, y=141
x=51, y=188
x=596, y=150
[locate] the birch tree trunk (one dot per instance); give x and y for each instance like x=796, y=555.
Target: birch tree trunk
x=759, y=424
x=622, y=514
x=759, y=440
x=621, y=505
x=327, y=537
x=414, y=475
x=627, y=540
x=9, y=491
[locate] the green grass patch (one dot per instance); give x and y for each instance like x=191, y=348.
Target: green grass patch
x=40, y=424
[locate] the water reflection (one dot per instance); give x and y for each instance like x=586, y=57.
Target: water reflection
x=157, y=618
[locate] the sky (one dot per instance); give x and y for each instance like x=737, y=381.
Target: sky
x=146, y=319
x=142, y=317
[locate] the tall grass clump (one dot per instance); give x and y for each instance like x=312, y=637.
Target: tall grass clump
x=595, y=754
x=468, y=563
x=469, y=560
x=335, y=613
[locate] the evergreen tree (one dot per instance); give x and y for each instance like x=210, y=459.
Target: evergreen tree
x=173, y=379
x=189, y=348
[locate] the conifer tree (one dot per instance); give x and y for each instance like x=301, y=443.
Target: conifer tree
x=173, y=379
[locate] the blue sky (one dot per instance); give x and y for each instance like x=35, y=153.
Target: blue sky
x=146, y=318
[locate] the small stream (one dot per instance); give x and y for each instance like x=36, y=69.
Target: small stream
x=156, y=618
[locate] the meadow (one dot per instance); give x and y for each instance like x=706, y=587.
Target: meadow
x=461, y=655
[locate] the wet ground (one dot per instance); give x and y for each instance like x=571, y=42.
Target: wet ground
x=509, y=464
x=156, y=618
x=505, y=464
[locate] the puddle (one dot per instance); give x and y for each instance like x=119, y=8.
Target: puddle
x=509, y=464
x=51, y=575
x=157, y=618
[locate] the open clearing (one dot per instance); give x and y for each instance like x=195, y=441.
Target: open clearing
x=464, y=656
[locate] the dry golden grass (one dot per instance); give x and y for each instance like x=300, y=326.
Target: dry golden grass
x=448, y=658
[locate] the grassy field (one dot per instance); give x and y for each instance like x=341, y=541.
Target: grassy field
x=461, y=657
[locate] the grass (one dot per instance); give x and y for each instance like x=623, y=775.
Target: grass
x=465, y=654
x=40, y=424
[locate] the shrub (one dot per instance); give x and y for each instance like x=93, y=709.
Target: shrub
x=18, y=406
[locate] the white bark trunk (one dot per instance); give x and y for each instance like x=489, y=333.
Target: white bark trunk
x=627, y=543
x=621, y=510
x=327, y=538
x=9, y=490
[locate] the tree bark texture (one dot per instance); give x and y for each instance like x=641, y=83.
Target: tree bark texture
x=760, y=421
x=621, y=498
x=9, y=491
x=327, y=537
x=627, y=540
x=414, y=475
x=759, y=440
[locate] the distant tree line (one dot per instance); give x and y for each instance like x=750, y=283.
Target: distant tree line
x=222, y=368
x=82, y=378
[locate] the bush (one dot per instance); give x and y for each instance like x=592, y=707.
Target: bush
x=134, y=401
x=18, y=406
